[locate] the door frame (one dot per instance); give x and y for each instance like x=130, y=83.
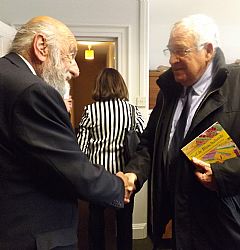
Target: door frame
x=121, y=33
x=118, y=33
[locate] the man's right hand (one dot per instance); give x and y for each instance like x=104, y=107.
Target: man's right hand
x=129, y=184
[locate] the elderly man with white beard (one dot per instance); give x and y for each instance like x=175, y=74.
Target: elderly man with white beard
x=42, y=170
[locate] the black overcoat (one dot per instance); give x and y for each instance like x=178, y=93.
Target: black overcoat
x=202, y=219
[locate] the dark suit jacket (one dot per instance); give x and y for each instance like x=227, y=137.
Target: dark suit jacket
x=42, y=170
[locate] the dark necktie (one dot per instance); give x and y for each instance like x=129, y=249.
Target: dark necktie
x=178, y=135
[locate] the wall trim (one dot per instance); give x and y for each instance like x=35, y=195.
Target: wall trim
x=139, y=231
x=120, y=33
x=144, y=51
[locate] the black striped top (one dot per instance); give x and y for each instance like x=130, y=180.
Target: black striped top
x=101, y=132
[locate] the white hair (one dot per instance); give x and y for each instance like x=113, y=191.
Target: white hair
x=25, y=34
x=201, y=27
x=53, y=71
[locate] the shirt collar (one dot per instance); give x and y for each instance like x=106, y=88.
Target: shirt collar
x=28, y=64
x=204, y=82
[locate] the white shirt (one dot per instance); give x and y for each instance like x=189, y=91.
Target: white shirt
x=199, y=91
x=28, y=64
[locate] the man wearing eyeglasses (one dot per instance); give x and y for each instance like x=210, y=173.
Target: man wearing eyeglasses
x=203, y=200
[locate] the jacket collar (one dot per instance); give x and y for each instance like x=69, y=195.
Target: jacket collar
x=17, y=60
x=168, y=85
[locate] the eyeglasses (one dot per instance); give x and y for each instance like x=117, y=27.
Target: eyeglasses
x=181, y=52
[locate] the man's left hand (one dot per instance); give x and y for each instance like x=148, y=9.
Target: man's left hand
x=204, y=174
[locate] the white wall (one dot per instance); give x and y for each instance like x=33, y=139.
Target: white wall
x=6, y=35
x=163, y=14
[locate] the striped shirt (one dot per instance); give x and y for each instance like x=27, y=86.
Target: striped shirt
x=102, y=129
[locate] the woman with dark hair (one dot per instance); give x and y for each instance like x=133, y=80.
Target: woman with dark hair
x=100, y=137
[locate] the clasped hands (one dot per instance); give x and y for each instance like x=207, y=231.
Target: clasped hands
x=203, y=172
x=129, y=184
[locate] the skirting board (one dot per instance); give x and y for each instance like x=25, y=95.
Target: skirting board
x=139, y=231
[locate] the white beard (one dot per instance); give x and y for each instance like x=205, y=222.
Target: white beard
x=54, y=72
x=55, y=77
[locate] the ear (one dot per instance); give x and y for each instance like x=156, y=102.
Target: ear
x=209, y=51
x=40, y=48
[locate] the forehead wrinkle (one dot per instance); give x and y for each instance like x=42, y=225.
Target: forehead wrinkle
x=184, y=33
x=182, y=38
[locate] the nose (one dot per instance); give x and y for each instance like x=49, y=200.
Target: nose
x=74, y=70
x=173, y=58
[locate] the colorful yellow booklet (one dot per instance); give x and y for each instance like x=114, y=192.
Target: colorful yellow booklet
x=213, y=145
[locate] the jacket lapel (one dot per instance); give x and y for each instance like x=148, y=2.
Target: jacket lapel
x=210, y=105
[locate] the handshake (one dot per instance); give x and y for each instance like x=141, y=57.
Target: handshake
x=129, y=184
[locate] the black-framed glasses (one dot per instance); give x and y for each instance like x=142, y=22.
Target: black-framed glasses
x=180, y=52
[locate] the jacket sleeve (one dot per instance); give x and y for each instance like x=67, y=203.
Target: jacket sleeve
x=46, y=143
x=227, y=175
x=141, y=162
